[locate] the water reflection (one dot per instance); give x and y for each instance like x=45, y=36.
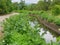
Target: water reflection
x=44, y=33
x=47, y=36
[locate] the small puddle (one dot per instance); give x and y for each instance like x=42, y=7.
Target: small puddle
x=44, y=32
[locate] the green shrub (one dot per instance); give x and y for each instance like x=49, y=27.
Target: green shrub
x=44, y=15
x=51, y=18
x=0, y=10
x=23, y=11
x=57, y=21
x=56, y=10
x=17, y=31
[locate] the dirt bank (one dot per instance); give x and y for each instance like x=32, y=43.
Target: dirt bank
x=2, y=18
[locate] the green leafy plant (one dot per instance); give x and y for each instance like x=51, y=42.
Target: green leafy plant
x=57, y=21
x=18, y=31
x=56, y=10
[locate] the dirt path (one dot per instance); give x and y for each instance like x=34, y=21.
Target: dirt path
x=3, y=18
x=6, y=16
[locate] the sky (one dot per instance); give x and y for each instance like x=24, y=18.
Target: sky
x=27, y=1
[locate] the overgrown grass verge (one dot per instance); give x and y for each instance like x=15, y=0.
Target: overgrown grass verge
x=17, y=31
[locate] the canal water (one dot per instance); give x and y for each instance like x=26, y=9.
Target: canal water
x=44, y=32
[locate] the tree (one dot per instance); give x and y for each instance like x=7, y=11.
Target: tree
x=42, y=5
x=16, y=6
x=56, y=2
x=5, y=6
x=22, y=4
x=31, y=7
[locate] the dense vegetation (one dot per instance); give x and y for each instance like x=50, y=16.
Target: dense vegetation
x=17, y=30
x=5, y=6
x=45, y=15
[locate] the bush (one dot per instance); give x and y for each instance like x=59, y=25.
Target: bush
x=57, y=21
x=0, y=10
x=17, y=31
x=51, y=18
x=56, y=10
